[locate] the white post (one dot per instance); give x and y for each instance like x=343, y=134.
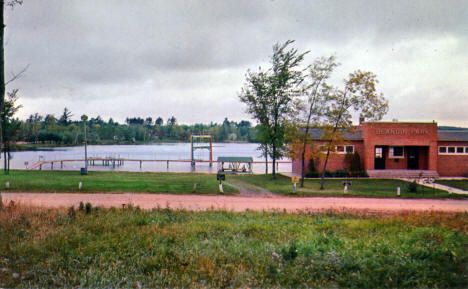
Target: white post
x=80, y=185
x=345, y=189
x=398, y=191
x=221, y=188
x=294, y=187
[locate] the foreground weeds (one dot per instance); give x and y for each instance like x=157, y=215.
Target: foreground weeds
x=96, y=247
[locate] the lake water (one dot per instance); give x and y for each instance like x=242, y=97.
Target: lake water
x=160, y=151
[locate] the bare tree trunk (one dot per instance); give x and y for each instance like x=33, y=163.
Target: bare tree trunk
x=303, y=164
x=5, y=160
x=266, y=162
x=273, y=169
x=2, y=77
x=322, y=176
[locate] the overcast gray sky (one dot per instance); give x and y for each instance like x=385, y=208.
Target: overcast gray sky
x=117, y=58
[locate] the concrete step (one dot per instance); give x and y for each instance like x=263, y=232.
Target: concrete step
x=397, y=174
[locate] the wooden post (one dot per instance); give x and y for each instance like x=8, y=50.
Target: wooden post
x=140, y=164
x=61, y=165
x=167, y=164
x=52, y=165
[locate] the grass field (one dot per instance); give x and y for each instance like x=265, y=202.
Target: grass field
x=98, y=247
x=183, y=183
x=334, y=187
x=461, y=184
x=116, y=182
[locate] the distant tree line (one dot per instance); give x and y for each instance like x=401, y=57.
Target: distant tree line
x=65, y=131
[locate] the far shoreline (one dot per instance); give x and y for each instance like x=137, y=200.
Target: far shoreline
x=49, y=146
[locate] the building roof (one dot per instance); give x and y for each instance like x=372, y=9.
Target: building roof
x=316, y=134
x=442, y=135
x=452, y=135
x=235, y=159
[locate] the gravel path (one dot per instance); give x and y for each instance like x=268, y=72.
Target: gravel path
x=237, y=203
x=249, y=190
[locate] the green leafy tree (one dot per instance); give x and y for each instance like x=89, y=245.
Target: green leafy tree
x=10, y=126
x=65, y=119
x=311, y=105
x=358, y=95
x=159, y=121
x=269, y=96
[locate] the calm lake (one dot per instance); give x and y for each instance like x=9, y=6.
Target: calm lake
x=160, y=151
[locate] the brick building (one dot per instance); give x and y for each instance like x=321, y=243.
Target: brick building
x=398, y=149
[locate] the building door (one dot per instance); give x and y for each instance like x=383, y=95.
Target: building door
x=413, y=158
x=379, y=160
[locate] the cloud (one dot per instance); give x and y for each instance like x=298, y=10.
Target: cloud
x=190, y=57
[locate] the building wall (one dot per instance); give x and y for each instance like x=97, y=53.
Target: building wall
x=422, y=135
x=399, y=134
x=452, y=165
x=335, y=162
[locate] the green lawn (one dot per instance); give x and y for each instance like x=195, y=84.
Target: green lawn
x=334, y=187
x=163, y=248
x=460, y=184
x=116, y=182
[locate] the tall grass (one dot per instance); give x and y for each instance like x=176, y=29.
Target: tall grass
x=166, y=248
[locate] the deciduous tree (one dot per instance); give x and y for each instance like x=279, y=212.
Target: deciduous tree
x=359, y=95
x=311, y=106
x=269, y=96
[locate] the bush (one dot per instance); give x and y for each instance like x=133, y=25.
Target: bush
x=312, y=171
x=359, y=174
x=88, y=208
x=353, y=164
x=289, y=253
x=329, y=174
x=412, y=187
x=71, y=212
x=340, y=174
x=314, y=174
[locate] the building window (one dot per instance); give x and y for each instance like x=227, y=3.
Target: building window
x=348, y=149
x=378, y=153
x=396, y=152
x=453, y=150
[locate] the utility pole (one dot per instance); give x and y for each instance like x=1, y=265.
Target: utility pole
x=84, y=118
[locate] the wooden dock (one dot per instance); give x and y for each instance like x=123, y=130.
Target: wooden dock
x=113, y=162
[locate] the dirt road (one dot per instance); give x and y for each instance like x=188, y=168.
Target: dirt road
x=237, y=203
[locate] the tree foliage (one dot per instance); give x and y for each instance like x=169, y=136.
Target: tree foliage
x=47, y=129
x=310, y=108
x=359, y=95
x=270, y=94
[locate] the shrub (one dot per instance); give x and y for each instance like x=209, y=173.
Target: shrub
x=88, y=208
x=289, y=253
x=412, y=187
x=312, y=171
x=353, y=164
x=71, y=212
x=81, y=206
x=314, y=174
x=329, y=174
x=340, y=174
x=359, y=174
